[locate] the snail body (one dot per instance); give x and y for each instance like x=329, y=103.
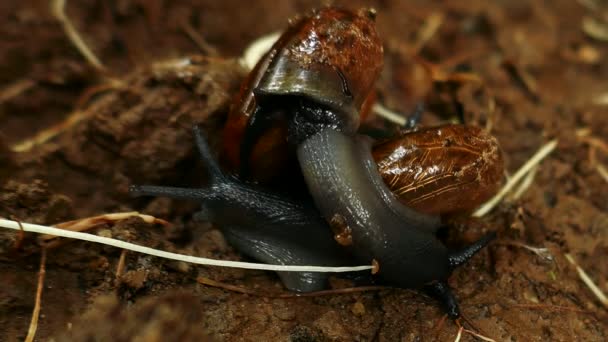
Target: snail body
x=261, y=224
x=343, y=180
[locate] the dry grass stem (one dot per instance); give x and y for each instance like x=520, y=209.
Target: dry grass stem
x=16, y=89
x=459, y=335
x=595, y=28
x=72, y=119
x=429, y=28
x=257, y=49
x=542, y=252
x=550, y=307
x=602, y=171
x=200, y=42
x=601, y=99
x=87, y=222
x=39, y=229
x=388, y=114
x=51, y=132
x=588, y=281
x=524, y=185
x=462, y=329
x=58, y=11
x=240, y=289
x=479, y=336
x=543, y=152
x=440, y=73
x=31, y=332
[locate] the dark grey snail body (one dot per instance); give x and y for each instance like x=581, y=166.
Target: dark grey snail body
x=261, y=224
x=343, y=179
x=344, y=182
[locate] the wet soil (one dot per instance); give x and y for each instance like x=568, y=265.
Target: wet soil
x=542, y=76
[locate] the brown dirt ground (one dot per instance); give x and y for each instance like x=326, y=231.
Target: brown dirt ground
x=541, y=75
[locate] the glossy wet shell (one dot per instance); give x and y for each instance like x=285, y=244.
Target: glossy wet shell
x=441, y=170
x=332, y=56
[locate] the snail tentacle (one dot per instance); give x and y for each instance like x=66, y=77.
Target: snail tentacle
x=440, y=290
x=459, y=257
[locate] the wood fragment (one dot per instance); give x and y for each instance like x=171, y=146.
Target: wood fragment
x=121, y=264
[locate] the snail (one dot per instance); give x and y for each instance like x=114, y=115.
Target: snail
x=433, y=169
x=312, y=62
x=430, y=170
x=315, y=80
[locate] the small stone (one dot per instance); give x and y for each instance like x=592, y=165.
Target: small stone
x=358, y=309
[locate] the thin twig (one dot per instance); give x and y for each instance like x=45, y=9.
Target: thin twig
x=525, y=184
x=602, y=171
x=478, y=335
x=89, y=93
x=200, y=42
x=31, y=332
x=471, y=332
x=16, y=89
x=85, y=223
x=34, y=228
x=243, y=290
x=58, y=11
x=51, y=132
x=531, y=163
x=459, y=335
x=542, y=252
x=439, y=326
x=20, y=237
x=388, y=114
x=588, y=281
x=72, y=119
x=551, y=307
x=257, y=49
x=429, y=28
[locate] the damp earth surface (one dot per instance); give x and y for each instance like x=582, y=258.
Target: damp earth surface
x=528, y=72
